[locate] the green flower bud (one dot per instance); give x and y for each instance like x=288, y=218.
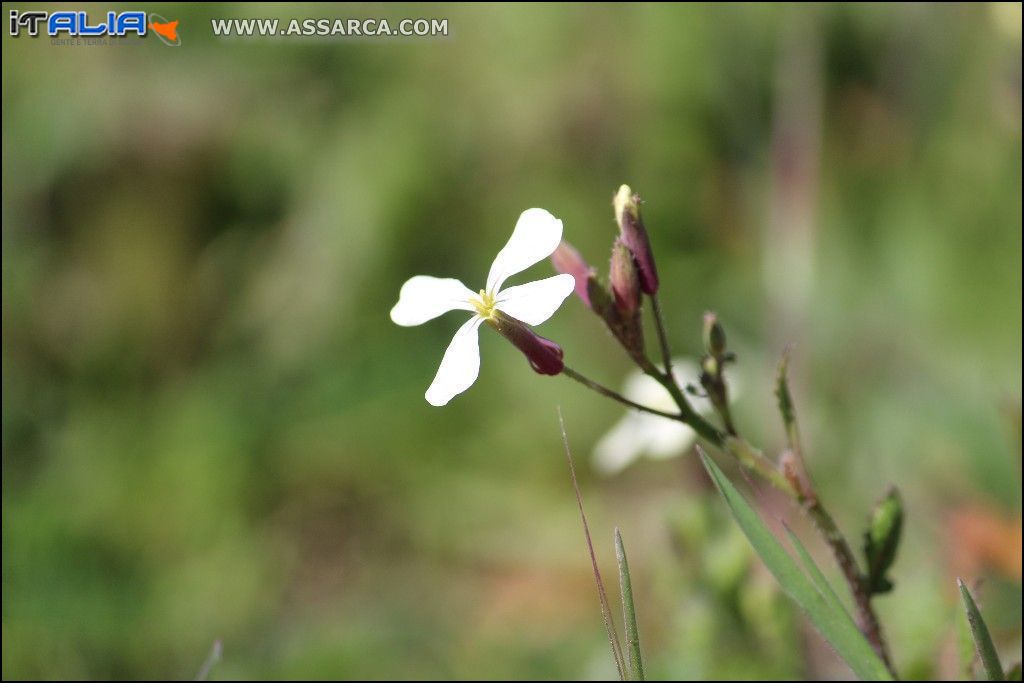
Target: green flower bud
x=882, y=539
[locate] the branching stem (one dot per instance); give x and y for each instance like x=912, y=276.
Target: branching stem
x=754, y=460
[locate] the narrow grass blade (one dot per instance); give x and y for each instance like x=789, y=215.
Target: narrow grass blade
x=965, y=651
x=834, y=624
x=606, y=613
x=982, y=639
x=817, y=577
x=636, y=663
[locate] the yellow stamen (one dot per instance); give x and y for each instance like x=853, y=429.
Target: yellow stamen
x=484, y=304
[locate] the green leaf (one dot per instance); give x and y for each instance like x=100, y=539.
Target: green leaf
x=636, y=663
x=825, y=613
x=820, y=582
x=982, y=639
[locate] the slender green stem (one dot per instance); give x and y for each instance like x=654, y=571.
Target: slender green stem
x=726, y=414
x=659, y=323
x=687, y=413
x=616, y=396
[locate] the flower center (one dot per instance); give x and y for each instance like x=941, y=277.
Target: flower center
x=484, y=304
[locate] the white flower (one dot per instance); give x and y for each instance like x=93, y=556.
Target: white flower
x=536, y=235
x=638, y=434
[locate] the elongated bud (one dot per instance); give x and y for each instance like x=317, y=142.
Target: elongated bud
x=624, y=279
x=634, y=236
x=626, y=328
x=566, y=259
x=714, y=336
x=624, y=325
x=882, y=539
x=545, y=356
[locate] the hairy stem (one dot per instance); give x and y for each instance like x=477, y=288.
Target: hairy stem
x=867, y=620
x=807, y=497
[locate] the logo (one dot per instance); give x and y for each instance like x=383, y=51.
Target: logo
x=79, y=25
x=166, y=31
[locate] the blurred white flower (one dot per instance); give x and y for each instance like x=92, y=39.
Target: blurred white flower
x=536, y=235
x=638, y=434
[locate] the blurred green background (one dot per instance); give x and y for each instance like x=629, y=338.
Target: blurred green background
x=212, y=430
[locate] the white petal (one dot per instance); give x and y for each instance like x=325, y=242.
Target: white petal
x=646, y=390
x=535, y=237
x=668, y=439
x=535, y=302
x=686, y=371
x=460, y=365
x=622, y=445
x=424, y=298
x=640, y=434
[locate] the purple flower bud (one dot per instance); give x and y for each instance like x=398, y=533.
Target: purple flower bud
x=634, y=236
x=625, y=279
x=566, y=259
x=545, y=356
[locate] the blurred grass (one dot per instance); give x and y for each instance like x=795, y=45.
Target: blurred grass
x=212, y=430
